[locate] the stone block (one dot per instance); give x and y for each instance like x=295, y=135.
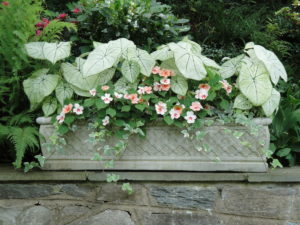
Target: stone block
x=37, y=215
x=257, y=201
x=185, y=196
x=108, y=217
x=112, y=193
x=8, y=215
x=25, y=191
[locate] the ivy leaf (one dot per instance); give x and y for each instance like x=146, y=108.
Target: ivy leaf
x=112, y=112
x=143, y=58
x=127, y=187
x=49, y=106
x=112, y=178
x=272, y=104
x=100, y=59
x=96, y=157
x=179, y=85
x=63, y=91
x=254, y=82
x=41, y=159
x=39, y=86
x=130, y=70
x=241, y=102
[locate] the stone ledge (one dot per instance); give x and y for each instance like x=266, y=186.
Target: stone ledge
x=285, y=175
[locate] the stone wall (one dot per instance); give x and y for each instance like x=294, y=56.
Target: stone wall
x=200, y=200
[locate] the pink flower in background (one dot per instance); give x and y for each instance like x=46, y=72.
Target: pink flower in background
x=62, y=16
x=165, y=73
x=78, y=109
x=161, y=108
x=105, y=121
x=204, y=86
x=201, y=94
x=76, y=10
x=38, y=32
x=145, y=90
x=60, y=118
x=156, y=70
x=93, y=92
x=5, y=3
x=165, y=87
x=117, y=95
x=106, y=98
x=134, y=98
x=190, y=117
x=39, y=24
x=46, y=21
x=226, y=86
x=157, y=86
x=67, y=108
x=165, y=81
x=196, y=106
x=104, y=87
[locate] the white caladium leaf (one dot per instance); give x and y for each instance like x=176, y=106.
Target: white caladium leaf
x=75, y=77
x=130, y=70
x=56, y=51
x=196, y=48
x=122, y=44
x=143, y=58
x=100, y=59
x=162, y=54
x=190, y=65
x=49, y=106
x=122, y=85
x=170, y=65
x=209, y=62
x=272, y=104
x=179, y=85
x=271, y=62
x=39, y=85
x=80, y=92
x=230, y=67
x=96, y=44
x=63, y=91
x=254, y=82
x=241, y=102
x=35, y=50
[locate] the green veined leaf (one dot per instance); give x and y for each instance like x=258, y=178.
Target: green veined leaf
x=63, y=91
x=39, y=85
x=254, y=82
x=229, y=68
x=271, y=62
x=100, y=59
x=130, y=70
x=179, y=85
x=49, y=106
x=272, y=103
x=241, y=102
x=190, y=65
x=143, y=58
x=56, y=51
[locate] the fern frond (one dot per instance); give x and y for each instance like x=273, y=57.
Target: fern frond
x=54, y=30
x=20, y=119
x=22, y=139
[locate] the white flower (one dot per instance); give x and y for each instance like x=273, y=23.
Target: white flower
x=106, y=98
x=175, y=114
x=117, y=95
x=190, y=117
x=60, y=118
x=93, y=92
x=201, y=94
x=161, y=108
x=105, y=121
x=165, y=81
x=78, y=109
x=226, y=86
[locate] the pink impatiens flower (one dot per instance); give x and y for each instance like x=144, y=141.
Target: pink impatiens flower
x=76, y=10
x=174, y=114
x=190, y=117
x=165, y=81
x=165, y=73
x=145, y=90
x=196, y=106
x=117, y=95
x=226, y=86
x=134, y=98
x=78, y=109
x=106, y=98
x=60, y=118
x=161, y=108
x=201, y=94
x=157, y=86
x=165, y=87
x=105, y=121
x=93, y=92
x=156, y=70
x=67, y=108
x=104, y=87
x=204, y=86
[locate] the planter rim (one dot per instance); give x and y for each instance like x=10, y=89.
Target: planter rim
x=259, y=121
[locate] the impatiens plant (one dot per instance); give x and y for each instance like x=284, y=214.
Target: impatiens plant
x=121, y=86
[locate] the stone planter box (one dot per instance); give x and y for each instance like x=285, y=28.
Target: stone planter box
x=165, y=149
